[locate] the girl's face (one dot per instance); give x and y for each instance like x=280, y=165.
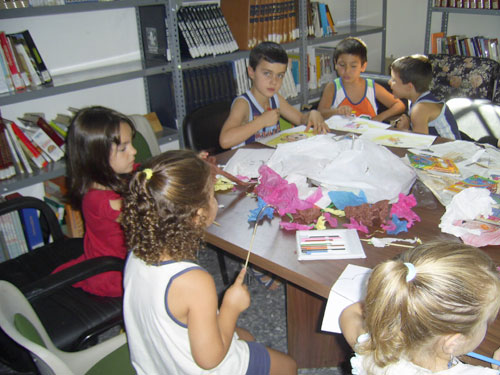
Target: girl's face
x=122, y=156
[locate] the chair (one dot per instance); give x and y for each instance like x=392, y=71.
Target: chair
x=21, y=323
x=72, y=317
x=201, y=129
x=145, y=141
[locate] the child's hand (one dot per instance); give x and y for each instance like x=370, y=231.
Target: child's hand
x=316, y=121
x=237, y=296
x=343, y=110
x=402, y=123
x=270, y=117
x=203, y=155
x=496, y=355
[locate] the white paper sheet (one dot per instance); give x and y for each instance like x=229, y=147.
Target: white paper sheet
x=349, y=288
x=355, y=125
x=246, y=162
x=394, y=138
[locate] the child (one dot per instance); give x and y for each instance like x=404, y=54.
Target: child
x=423, y=310
x=170, y=303
x=351, y=93
x=99, y=156
x=256, y=113
x=410, y=79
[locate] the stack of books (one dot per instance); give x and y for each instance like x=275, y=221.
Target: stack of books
x=21, y=65
x=320, y=20
x=203, y=31
x=468, y=4
x=30, y=144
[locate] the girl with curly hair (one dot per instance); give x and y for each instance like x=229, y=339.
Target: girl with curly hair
x=422, y=310
x=170, y=303
x=99, y=159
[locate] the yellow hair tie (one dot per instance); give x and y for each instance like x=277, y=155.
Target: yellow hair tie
x=149, y=173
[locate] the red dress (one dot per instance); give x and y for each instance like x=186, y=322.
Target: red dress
x=103, y=237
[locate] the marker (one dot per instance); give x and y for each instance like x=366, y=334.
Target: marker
x=484, y=358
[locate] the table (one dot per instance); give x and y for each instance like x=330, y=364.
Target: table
x=309, y=282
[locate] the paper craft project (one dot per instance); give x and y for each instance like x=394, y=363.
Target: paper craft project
x=473, y=181
x=349, y=288
x=354, y=124
x=246, y=162
x=329, y=244
x=433, y=164
x=393, y=138
x=290, y=135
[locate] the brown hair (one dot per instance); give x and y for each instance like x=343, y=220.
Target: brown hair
x=159, y=211
x=415, y=69
x=455, y=288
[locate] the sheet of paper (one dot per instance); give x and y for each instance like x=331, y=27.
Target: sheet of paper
x=394, y=138
x=289, y=135
x=246, y=162
x=355, y=125
x=349, y=288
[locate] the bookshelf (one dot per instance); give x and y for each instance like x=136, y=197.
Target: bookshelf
x=445, y=12
x=144, y=69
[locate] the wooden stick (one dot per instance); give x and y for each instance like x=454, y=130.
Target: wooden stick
x=254, y=232
x=392, y=244
x=216, y=223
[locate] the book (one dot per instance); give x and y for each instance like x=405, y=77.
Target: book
x=7, y=168
x=154, y=38
x=41, y=68
x=29, y=147
x=473, y=181
x=329, y=244
x=21, y=154
x=434, y=41
x=6, y=84
x=15, y=157
x=433, y=164
x=11, y=63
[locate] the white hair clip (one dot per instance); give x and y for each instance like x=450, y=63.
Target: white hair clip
x=412, y=272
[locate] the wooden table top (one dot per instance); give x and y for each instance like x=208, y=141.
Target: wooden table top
x=274, y=249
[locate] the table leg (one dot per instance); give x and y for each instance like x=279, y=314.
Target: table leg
x=307, y=344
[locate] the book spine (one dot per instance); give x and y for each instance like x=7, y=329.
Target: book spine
x=47, y=145
x=9, y=58
x=4, y=252
x=33, y=151
x=7, y=169
x=42, y=124
x=5, y=72
x=42, y=68
x=17, y=161
x=10, y=236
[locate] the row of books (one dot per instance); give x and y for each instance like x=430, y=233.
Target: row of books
x=478, y=46
x=203, y=31
x=21, y=65
x=320, y=20
x=30, y=144
x=13, y=4
x=470, y=4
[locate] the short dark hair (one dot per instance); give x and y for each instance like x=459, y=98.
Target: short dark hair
x=415, y=69
x=351, y=46
x=268, y=51
x=91, y=135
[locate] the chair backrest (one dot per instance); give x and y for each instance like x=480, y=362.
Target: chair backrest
x=201, y=128
x=145, y=141
x=21, y=323
x=464, y=77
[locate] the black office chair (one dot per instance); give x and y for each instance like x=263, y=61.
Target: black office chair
x=72, y=317
x=201, y=129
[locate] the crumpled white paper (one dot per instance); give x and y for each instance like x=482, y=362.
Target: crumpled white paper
x=466, y=205
x=347, y=164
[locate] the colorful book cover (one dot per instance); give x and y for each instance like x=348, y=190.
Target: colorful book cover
x=432, y=163
x=473, y=181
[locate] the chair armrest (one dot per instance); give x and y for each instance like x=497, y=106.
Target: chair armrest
x=71, y=275
x=31, y=202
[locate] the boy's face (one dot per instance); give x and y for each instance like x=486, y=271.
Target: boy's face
x=399, y=89
x=349, y=67
x=267, y=77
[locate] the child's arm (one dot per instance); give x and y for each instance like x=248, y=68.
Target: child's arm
x=420, y=118
x=394, y=106
x=311, y=119
x=210, y=334
x=325, y=104
x=236, y=129
x=351, y=323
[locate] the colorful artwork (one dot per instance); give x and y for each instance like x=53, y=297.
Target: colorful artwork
x=432, y=163
x=394, y=138
x=290, y=135
x=473, y=181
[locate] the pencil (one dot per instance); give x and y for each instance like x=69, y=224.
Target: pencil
x=484, y=358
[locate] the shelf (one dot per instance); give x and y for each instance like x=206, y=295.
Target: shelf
x=75, y=8
x=344, y=31
x=58, y=168
x=85, y=79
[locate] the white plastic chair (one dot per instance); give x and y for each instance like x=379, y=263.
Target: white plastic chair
x=21, y=323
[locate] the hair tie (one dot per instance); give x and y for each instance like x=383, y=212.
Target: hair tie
x=412, y=272
x=148, y=172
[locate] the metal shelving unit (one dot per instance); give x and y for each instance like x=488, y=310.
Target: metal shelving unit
x=137, y=69
x=445, y=12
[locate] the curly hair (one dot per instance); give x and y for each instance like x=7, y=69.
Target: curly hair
x=455, y=288
x=160, y=209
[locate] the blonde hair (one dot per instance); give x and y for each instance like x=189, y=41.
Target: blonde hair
x=159, y=210
x=456, y=287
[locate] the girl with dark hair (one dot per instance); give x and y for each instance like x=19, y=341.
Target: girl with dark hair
x=99, y=160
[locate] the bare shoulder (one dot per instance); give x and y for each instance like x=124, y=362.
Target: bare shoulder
x=116, y=204
x=239, y=113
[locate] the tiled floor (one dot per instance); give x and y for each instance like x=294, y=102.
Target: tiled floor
x=265, y=318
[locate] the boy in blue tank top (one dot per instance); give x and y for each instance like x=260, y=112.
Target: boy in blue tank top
x=256, y=113
x=353, y=94
x=410, y=79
